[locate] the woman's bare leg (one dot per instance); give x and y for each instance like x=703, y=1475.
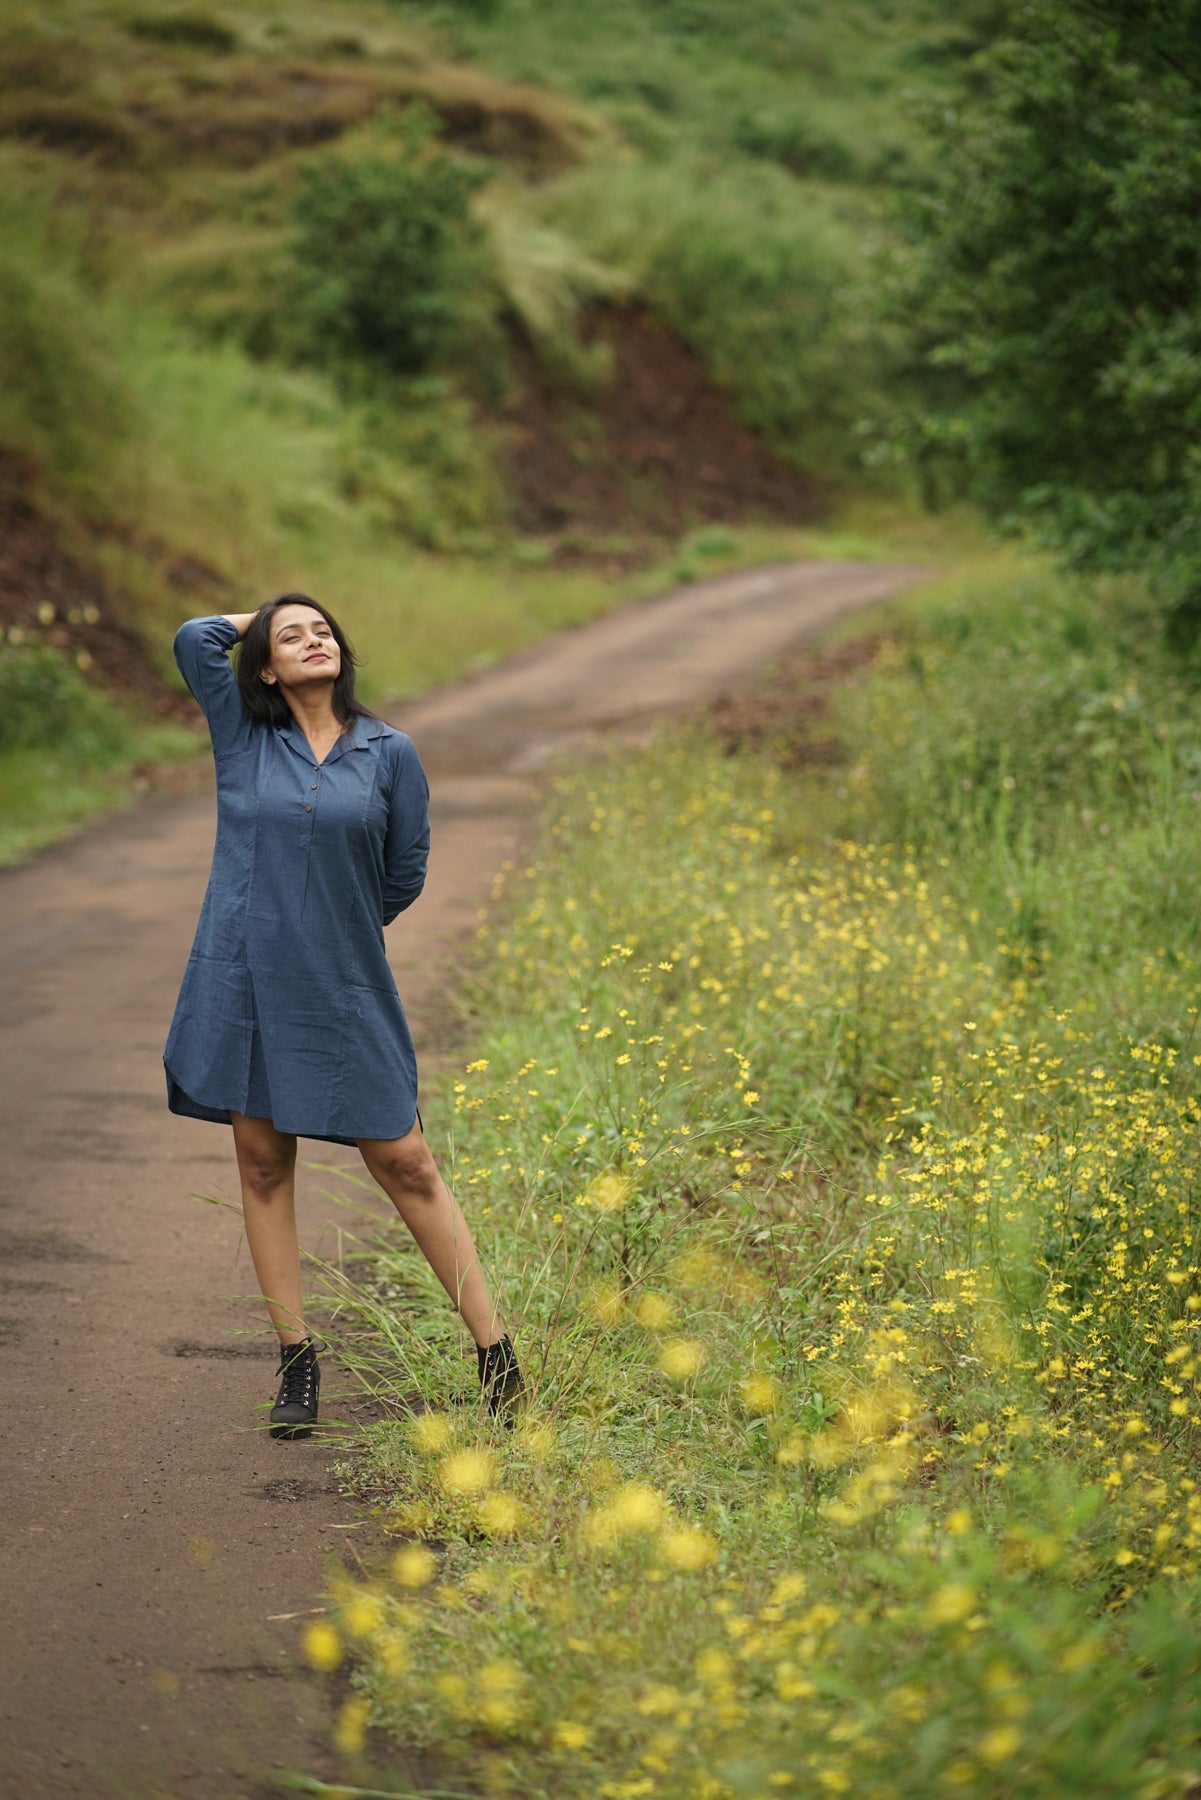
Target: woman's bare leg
x=267, y=1168
x=409, y=1176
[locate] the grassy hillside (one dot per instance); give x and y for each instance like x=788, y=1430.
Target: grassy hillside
x=261, y=326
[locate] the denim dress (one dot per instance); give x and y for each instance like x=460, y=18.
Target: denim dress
x=288, y=1009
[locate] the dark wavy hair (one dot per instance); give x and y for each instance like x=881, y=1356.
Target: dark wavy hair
x=263, y=700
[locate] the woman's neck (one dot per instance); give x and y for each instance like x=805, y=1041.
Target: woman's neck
x=316, y=718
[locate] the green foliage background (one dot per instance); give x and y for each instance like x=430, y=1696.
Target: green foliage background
x=1055, y=275
x=183, y=176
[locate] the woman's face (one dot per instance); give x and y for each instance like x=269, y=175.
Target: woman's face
x=303, y=649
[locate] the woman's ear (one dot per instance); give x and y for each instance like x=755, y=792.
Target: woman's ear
x=268, y=677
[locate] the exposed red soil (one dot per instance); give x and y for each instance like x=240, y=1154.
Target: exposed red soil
x=787, y=710
x=655, y=453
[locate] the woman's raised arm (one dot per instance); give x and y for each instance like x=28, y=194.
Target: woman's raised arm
x=202, y=648
x=239, y=621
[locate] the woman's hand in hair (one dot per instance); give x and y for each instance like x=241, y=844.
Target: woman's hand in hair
x=239, y=621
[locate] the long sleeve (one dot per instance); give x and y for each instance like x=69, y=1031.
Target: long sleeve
x=202, y=649
x=407, y=842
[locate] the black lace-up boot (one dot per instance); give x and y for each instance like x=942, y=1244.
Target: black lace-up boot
x=500, y=1378
x=295, y=1411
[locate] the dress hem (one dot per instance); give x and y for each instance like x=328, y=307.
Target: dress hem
x=180, y=1102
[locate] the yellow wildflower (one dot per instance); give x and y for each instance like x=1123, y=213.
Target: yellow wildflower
x=654, y=1311
x=361, y=1614
x=350, y=1728
x=499, y=1514
x=609, y=1192
x=431, y=1432
x=322, y=1645
x=687, y=1547
x=467, y=1471
x=999, y=1745
x=951, y=1604
x=414, y=1566
x=760, y=1394
x=632, y=1509
x=680, y=1358
x=713, y=1667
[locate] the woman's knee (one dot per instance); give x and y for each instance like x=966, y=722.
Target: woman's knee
x=266, y=1157
x=403, y=1164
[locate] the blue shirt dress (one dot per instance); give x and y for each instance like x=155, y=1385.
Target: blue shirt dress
x=288, y=1009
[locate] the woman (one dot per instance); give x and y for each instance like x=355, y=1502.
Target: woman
x=288, y=1022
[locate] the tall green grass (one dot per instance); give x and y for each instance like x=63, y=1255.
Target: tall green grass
x=845, y=1210
x=62, y=407
x=816, y=88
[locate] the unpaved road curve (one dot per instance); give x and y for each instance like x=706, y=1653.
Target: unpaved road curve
x=158, y=1550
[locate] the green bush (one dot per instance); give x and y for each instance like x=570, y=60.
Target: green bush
x=1055, y=280
x=419, y=465
x=386, y=252
x=44, y=701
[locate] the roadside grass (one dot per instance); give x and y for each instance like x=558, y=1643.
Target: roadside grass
x=832, y=1131
x=46, y=794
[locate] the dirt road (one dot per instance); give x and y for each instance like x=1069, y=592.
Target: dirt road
x=159, y=1548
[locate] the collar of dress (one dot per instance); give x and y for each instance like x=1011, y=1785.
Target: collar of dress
x=358, y=735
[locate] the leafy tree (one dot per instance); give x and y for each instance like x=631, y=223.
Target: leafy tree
x=386, y=252
x=1056, y=283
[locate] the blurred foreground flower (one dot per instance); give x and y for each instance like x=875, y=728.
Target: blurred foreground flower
x=414, y=1566
x=680, y=1358
x=500, y=1693
x=604, y=1302
x=951, y=1604
x=321, y=1645
x=687, y=1547
x=760, y=1395
x=536, y=1437
x=499, y=1514
x=467, y=1471
x=609, y=1192
x=362, y=1614
x=654, y=1311
x=350, y=1729
x=431, y=1432
x=635, y=1508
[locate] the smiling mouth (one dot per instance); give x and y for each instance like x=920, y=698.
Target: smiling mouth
x=317, y=656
